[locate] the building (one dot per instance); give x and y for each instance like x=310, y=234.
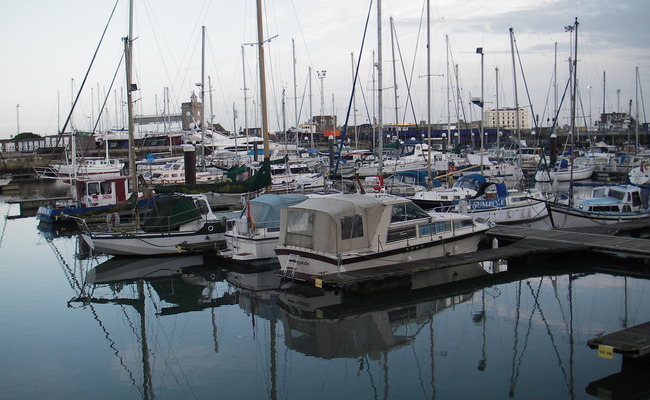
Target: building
x=507, y=118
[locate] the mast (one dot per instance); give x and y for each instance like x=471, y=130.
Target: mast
x=203, y=98
x=295, y=91
x=243, y=64
x=428, y=96
x=573, y=63
x=448, y=96
x=496, y=70
x=128, y=44
x=514, y=74
x=392, y=42
x=260, y=49
x=380, y=103
x=636, y=124
x=354, y=104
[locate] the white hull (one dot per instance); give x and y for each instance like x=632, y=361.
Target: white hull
x=564, y=217
x=578, y=174
x=639, y=177
x=148, y=244
x=314, y=264
x=260, y=246
x=526, y=213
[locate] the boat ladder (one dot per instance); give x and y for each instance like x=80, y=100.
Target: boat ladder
x=291, y=266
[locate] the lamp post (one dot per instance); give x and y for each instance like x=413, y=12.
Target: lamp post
x=321, y=76
x=17, y=119
x=479, y=50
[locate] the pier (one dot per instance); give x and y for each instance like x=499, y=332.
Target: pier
x=529, y=248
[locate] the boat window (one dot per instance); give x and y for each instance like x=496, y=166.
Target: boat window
x=106, y=188
x=443, y=226
x=407, y=212
x=400, y=234
x=463, y=223
x=300, y=229
x=351, y=227
x=599, y=192
x=202, y=206
x=616, y=194
x=93, y=188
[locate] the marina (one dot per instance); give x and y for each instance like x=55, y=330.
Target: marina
x=174, y=248
x=191, y=316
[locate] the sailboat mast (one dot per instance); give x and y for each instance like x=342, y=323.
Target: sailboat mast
x=392, y=43
x=514, y=75
x=203, y=98
x=380, y=103
x=260, y=49
x=428, y=97
x=636, y=123
x=128, y=43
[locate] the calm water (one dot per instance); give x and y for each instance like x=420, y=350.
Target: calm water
x=78, y=326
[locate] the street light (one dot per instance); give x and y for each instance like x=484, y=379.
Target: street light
x=479, y=50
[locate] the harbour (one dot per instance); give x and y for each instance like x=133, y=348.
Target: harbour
x=172, y=251
x=525, y=319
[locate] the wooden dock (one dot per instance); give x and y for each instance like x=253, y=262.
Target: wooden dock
x=621, y=245
x=527, y=245
x=631, y=342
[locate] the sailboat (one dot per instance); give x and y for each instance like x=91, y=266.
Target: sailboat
x=177, y=223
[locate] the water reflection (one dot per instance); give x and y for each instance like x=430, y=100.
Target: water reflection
x=332, y=325
x=512, y=330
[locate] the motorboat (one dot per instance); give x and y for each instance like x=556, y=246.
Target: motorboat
x=348, y=232
x=255, y=234
x=465, y=187
x=604, y=205
x=178, y=223
x=498, y=205
x=93, y=196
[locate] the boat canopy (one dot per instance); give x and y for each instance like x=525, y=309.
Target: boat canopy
x=264, y=210
x=169, y=213
x=332, y=224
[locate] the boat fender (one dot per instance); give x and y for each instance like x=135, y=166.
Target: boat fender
x=113, y=219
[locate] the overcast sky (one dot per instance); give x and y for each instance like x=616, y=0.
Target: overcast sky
x=47, y=47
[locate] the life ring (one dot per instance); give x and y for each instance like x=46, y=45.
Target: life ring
x=210, y=228
x=113, y=219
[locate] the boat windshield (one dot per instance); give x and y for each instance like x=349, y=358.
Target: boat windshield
x=407, y=212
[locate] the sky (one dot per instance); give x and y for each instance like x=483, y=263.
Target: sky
x=47, y=48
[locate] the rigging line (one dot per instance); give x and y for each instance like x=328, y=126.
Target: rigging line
x=4, y=226
x=354, y=85
x=409, y=99
x=113, y=347
x=521, y=68
x=419, y=369
x=548, y=329
x=88, y=70
x=364, y=359
x=101, y=110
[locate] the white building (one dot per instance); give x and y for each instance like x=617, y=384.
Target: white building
x=507, y=118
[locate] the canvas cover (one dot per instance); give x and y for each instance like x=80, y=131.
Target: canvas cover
x=169, y=213
x=261, y=179
x=264, y=210
x=318, y=222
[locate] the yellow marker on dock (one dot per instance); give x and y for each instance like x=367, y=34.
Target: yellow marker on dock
x=606, y=351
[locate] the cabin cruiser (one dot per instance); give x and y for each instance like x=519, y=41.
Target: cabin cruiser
x=348, y=232
x=605, y=205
